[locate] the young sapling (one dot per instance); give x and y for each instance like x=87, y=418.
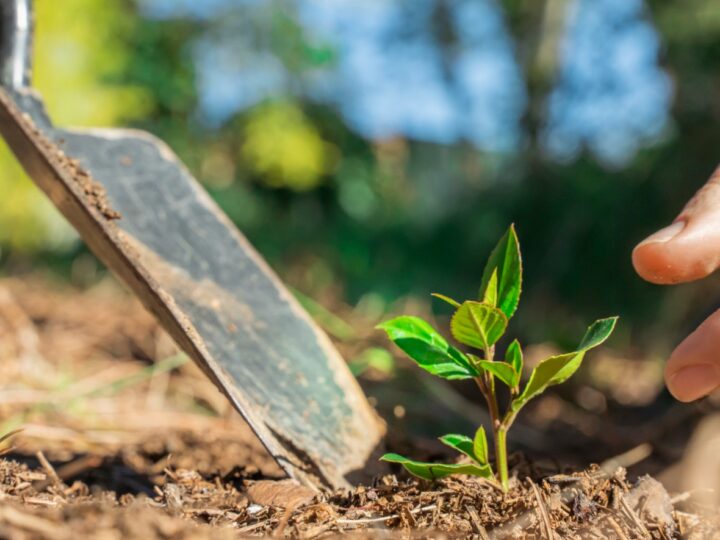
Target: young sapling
x=479, y=324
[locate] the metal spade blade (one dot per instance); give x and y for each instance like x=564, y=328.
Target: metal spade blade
x=144, y=215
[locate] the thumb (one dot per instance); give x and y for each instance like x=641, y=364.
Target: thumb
x=693, y=370
x=689, y=248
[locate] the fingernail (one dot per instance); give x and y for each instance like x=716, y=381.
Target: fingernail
x=663, y=235
x=693, y=382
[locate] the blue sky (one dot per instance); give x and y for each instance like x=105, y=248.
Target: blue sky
x=611, y=95
x=392, y=77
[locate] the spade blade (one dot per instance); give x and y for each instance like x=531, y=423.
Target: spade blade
x=144, y=215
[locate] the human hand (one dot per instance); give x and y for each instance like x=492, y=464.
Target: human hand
x=687, y=250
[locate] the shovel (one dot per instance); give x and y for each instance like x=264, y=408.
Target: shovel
x=152, y=224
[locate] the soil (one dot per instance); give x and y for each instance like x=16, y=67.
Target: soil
x=120, y=439
x=94, y=191
x=44, y=502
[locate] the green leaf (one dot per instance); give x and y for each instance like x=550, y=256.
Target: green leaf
x=558, y=369
x=447, y=299
x=506, y=260
x=553, y=370
x=598, y=332
x=423, y=344
x=434, y=471
x=461, y=443
x=501, y=370
x=480, y=446
x=514, y=357
x=478, y=325
x=491, y=291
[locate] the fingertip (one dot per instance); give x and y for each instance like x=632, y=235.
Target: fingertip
x=693, y=369
x=693, y=382
x=684, y=251
x=657, y=263
x=689, y=248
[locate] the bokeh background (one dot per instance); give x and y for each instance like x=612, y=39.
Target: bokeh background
x=375, y=150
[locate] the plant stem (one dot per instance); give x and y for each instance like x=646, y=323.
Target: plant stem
x=486, y=383
x=499, y=437
x=501, y=457
x=492, y=402
x=491, y=399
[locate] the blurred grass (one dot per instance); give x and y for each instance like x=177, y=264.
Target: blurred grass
x=60, y=401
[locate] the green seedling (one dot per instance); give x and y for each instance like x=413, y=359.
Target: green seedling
x=478, y=325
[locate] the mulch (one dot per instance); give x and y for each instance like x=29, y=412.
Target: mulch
x=164, y=457
x=38, y=503
x=588, y=504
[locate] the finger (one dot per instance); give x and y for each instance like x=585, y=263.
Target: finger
x=689, y=248
x=693, y=370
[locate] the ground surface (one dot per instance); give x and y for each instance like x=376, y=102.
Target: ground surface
x=121, y=437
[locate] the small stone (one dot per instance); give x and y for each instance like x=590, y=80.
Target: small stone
x=280, y=493
x=254, y=509
x=651, y=501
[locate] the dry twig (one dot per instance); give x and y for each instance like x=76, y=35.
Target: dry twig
x=52, y=475
x=542, y=509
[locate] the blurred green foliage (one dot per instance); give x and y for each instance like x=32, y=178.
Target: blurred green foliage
x=391, y=216
x=79, y=49
x=283, y=148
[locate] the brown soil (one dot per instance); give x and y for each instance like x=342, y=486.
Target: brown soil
x=44, y=502
x=94, y=191
x=114, y=445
